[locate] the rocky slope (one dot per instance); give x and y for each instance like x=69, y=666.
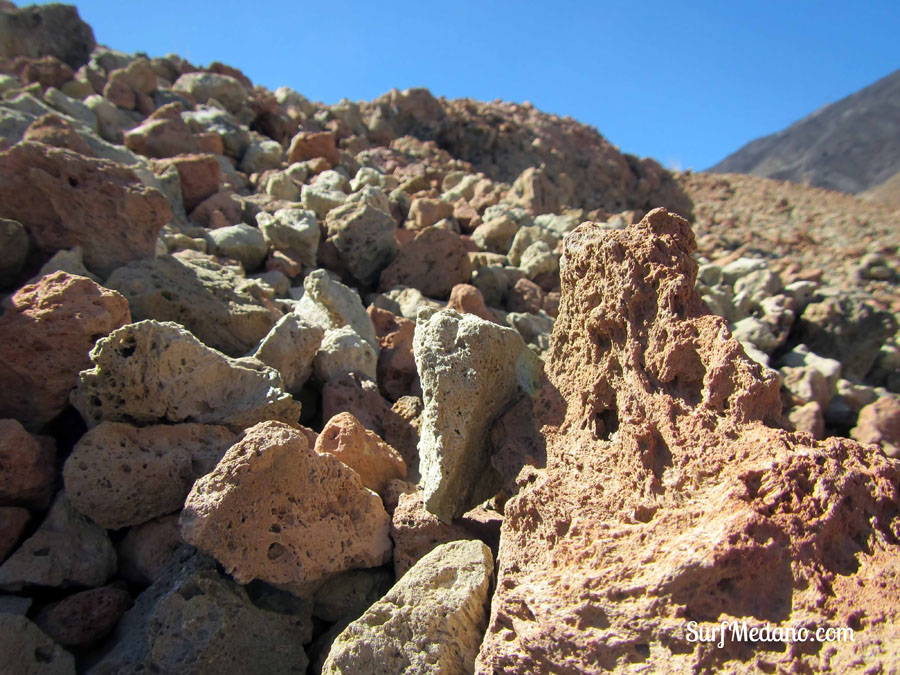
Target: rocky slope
x=851, y=145
x=417, y=385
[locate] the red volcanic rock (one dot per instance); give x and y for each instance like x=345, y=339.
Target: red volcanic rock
x=434, y=262
x=525, y=296
x=375, y=461
x=397, y=374
x=200, y=176
x=166, y=134
x=26, y=467
x=65, y=199
x=879, y=422
x=55, y=131
x=85, y=618
x=312, y=145
x=667, y=499
x=46, y=331
x=48, y=71
x=466, y=299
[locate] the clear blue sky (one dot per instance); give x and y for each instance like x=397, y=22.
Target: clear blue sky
x=686, y=83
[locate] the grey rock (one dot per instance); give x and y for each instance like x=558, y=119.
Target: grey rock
x=472, y=371
x=526, y=237
x=351, y=593
x=740, y=268
x=204, y=86
x=331, y=304
x=292, y=229
x=290, y=348
x=342, y=352
x=261, y=155
x=535, y=329
x=280, y=186
x=235, y=136
x=194, y=621
x=539, y=259
x=241, y=242
x=150, y=372
x=364, y=238
x=71, y=107
x=431, y=621
x=66, y=550
x=321, y=200
x=215, y=303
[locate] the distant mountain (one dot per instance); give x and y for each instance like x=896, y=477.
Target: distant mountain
x=851, y=145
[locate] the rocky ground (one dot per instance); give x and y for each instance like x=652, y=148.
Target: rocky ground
x=420, y=385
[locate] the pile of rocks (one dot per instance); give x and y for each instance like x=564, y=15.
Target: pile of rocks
x=274, y=391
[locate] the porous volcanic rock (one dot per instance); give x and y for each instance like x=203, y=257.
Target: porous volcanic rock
x=397, y=374
x=13, y=520
x=47, y=330
x=375, y=461
x=193, y=620
x=274, y=509
x=212, y=301
x=27, y=467
x=66, y=550
x=879, y=422
x=290, y=348
x=50, y=30
x=433, y=262
x=24, y=648
x=119, y=475
x=666, y=498
x=65, y=199
x=363, y=235
x=472, y=371
x=331, y=304
x=147, y=549
x=151, y=371
x=431, y=621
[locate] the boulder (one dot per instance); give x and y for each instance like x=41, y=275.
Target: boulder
x=27, y=470
x=433, y=262
x=431, y=621
x=364, y=238
x=192, y=620
x=66, y=550
x=65, y=199
x=119, y=475
x=362, y=450
x=84, y=619
x=295, y=230
x=274, y=509
x=47, y=330
x=214, y=302
x=290, y=348
x=157, y=372
x=665, y=487
x=330, y=304
x=472, y=371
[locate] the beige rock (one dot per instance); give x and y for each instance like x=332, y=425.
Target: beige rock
x=66, y=550
x=27, y=468
x=472, y=371
x=331, y=304
x=119, y=475
x=150, y=372
x=364, y=238
x=46, y=332
x=425, y=212
x=362, y=450
x=431, y=621
x=342, y=352
x=273, y=509
x=808, y=417
x=879, y=422
x=495, y=235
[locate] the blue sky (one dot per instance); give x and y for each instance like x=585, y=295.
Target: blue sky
x=684, y=83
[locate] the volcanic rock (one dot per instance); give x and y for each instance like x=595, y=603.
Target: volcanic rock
x=24, y=648
x=431, y=621
x=13, y=250
x=46, y=332
x=65, y=199
x=192, y=620
x=351, y=593
x=364, y=238
x=290, y=348
x=472, y=371
x=433, y=262
x=66, y=550
x=274, y=509
x=241, y=242
x=54, y=30
x=150, y=372
x=203, y=86
x=310, y=145
x=397, y=374
x=664, y=488
x=362, y=450
x=119, y=475
x=879, y=422
x=331, y=304
x=147, y=549
x=83, y=619
x=294, y=230
x=13, y=520
x=214, y=302
x=27, y=467
x=342, y=352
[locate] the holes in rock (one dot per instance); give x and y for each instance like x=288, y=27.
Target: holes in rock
x=42, y=552
x=606, y=424
x=126, y=349
x=276, y=550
